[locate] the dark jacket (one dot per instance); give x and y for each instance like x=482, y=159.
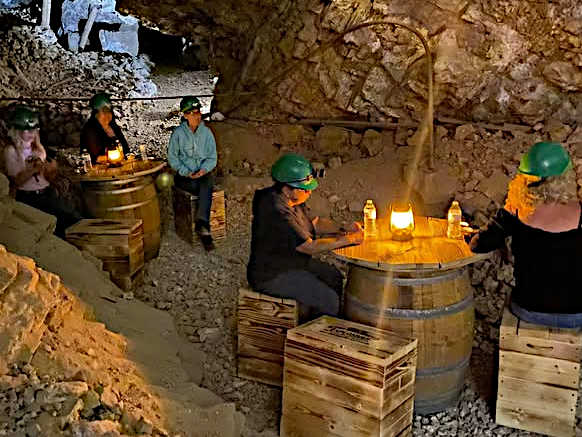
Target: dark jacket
x=96, y=141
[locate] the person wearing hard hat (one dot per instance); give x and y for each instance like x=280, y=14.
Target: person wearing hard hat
x=192, y=154
x=543, y=216
x=285, y=239
x=101, y=131
x=26, y=165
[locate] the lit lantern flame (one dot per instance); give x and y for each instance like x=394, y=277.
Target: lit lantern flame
x=114, y=155
x=401, y=222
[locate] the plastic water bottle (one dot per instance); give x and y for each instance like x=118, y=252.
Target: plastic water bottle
x=86, y=158
x=370, y=231
x=454, y=218
x=143, y=152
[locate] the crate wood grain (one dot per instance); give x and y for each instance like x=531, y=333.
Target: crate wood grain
x=185, y=209
x=263, y=322
x=539, y=375
x=118, y=243
x=346, y=379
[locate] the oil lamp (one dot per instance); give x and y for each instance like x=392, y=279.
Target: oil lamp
x=115, y=155
x=401, y=221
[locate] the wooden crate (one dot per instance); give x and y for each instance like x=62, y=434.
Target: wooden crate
x=118, y=243
x=263, y=322
x=346, y=379
x=539, y=375
x=185, y=208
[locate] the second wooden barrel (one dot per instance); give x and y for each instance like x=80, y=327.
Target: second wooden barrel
x=127, y=198
x=436, y=307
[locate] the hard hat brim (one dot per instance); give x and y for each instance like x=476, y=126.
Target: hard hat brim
x=311, y=185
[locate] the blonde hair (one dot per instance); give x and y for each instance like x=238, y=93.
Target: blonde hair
x=14, y=135
x=522, y=198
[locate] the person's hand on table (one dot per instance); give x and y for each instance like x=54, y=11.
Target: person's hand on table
x=354, y=238
x=355, y=227
x=474, y=241
x=197, y=174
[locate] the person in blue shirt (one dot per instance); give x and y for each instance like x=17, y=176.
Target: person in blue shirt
x=192, y=153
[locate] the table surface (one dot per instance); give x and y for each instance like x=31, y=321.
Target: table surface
x=429, y=249
x=129, y=169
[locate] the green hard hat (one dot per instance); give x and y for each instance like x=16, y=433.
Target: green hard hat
x=188, y=103
x=545, y=159
x=99, y=101
x=294, y=170
x=23, y=118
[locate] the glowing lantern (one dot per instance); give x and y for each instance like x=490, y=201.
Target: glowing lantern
x=115, y=155
x=401, y=221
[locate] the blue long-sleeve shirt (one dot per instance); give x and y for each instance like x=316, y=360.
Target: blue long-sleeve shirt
x=190, y=151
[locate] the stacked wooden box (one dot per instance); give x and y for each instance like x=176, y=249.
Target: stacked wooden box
x=539, y=374
x=263, y=322
x=118, y=243
x=185, y=209
x=346, y=379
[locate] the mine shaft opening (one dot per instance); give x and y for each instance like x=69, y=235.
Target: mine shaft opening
x=172, y=51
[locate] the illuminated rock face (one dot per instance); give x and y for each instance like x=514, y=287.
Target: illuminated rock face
x=493, y=60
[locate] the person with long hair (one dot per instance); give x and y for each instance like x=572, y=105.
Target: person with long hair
x=101, y=131
x=26, y=165
x=543, y=216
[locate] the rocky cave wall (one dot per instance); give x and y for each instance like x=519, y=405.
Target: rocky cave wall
x=494, y=60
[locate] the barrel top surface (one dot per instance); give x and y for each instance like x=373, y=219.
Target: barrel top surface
x=429, y=249
x=129, y=169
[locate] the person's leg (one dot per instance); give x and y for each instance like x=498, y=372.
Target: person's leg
x=205, y=184
x=64, y=211
x=187, y=184
x=326, y=273
x=305, y=288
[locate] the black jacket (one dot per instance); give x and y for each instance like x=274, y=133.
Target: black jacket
x=96, y=141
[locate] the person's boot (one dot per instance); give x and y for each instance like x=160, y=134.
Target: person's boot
x=203, y=231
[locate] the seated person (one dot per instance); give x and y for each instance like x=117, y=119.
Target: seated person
x=284, y=240
x=542, y=214
x=101, y=132
x=29, y=171
x=192, y=153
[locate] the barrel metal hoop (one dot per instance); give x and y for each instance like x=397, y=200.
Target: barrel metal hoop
x=449, y=276
x=433, y=371
x=120, y=190
x=400, y=313
x=126, y=207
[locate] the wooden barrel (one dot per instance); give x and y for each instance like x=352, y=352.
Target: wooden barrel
x=127, y=198
x=436, y=307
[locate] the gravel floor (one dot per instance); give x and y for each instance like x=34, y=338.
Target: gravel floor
x=200, y=289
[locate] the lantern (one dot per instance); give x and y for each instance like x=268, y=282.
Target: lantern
x=401, y=221
x=115, y=155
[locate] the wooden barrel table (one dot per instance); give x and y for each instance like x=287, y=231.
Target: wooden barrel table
x=420, y=289
x=126, y=192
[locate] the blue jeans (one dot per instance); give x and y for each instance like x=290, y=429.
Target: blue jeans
x=318, y=288
x=201, y=187
x=553, y=320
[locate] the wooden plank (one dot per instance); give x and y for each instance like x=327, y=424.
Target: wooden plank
x=535, y=419
x=540, y=346
x=528, y=394
x=539, y=369
x=267, y=372
x=304, y=416
x=104, y=226
x=360, y=342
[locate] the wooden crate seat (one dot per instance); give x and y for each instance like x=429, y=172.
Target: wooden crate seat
x=263, y=322
x=342, y=378
x=185, y=208
x=118, y=243
x=539, y=376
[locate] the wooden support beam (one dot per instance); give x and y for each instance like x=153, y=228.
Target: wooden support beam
x=88, y=25
x=46, y=14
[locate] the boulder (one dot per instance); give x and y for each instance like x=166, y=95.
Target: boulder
x=564, y=75
x=464, y=132
x=495, y=186
x=372, y=142
x=331, y=140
